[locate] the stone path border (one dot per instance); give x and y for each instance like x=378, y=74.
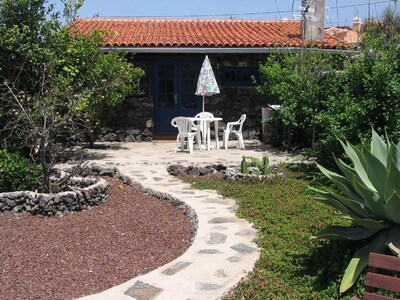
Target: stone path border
x=223, y=250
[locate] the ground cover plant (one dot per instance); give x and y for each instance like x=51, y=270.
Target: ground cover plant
x=291, y=265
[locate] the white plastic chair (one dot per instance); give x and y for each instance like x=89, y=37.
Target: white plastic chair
x=236, y=129
x=203, y=124
x=186, y=130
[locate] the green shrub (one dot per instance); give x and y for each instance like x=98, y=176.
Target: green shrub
x=17, y=173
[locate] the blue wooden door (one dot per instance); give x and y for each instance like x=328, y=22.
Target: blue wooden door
x=174, y=93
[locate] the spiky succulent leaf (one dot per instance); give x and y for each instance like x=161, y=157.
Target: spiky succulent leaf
x=360, y=260
x=377, y=172
x=371, y=223
x=354, y=156
x=244, y=168
x=356, y=208
x=394, y=240
x=395, y=250
x=335, y=204
x=394, y=154
x=392, y=180
x=255, y=161
x=379, y=148
x=342, y=183
x=265, y=160
x=371, y=198
x=392, y=208
x=345, y=205
x=344, y=233
x=265, y=167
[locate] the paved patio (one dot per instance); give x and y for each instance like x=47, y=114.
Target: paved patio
x=223, y=250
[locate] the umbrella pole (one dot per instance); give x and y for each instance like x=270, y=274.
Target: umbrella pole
x=203, y=102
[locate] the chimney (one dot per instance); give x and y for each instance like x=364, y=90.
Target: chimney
x=313, y=19
x=357, y=24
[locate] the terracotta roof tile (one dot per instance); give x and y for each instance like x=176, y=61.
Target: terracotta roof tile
x=131, y=32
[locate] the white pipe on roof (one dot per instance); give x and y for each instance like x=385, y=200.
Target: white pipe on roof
x=222, y=50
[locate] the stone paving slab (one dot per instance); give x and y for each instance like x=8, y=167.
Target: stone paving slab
x=223, y=250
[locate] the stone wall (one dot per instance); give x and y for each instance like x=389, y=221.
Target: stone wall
x=133, y=122
x=88, y=192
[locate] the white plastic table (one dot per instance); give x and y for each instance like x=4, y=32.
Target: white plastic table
x=208, y=122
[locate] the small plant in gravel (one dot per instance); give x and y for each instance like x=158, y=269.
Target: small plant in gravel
x=262, y=166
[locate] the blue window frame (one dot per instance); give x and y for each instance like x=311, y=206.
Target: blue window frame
x=239, y=76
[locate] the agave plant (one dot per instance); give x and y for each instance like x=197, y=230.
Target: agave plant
x=370, y=198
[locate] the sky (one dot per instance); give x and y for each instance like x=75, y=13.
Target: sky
x=338, y=12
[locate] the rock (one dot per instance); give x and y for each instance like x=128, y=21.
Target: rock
x=121, y=137
x=219, y=167
x=205, y=171
x=57, y=199
x=68, y=201
x=43, y=202
x=107, y=172
x=193, y=171
x=149, y=124
x=10, y=203
x=133, y=132
x=110, y=137
x=18, y=209
x=130, y=138
x=176, y=170
x=147, y=133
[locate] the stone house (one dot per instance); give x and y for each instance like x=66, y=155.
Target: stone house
x=171, y=52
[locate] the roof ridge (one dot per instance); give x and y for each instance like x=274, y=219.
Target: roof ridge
x=196, y=20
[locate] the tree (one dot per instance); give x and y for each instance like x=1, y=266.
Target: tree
x=301, y=82
x=61, y=82
x=324, y=97
x=70, y=9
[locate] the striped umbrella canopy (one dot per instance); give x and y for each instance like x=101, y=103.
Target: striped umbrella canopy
x=206, y=84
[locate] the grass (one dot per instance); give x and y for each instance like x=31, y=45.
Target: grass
x=291, y=265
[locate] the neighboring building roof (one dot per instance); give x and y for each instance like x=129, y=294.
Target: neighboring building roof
x=344, y=34
x=351, y=35
x=210, y=33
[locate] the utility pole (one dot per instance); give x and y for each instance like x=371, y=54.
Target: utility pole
x=313, y=19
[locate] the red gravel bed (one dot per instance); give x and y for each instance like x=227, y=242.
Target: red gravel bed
x=87, y=252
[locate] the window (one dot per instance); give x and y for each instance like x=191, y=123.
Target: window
x=239, y=76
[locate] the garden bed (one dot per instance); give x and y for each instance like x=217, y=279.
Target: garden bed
x=83, y=193
x=86, y=252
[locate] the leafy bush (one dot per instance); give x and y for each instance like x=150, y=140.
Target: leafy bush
x=17, y=173
x=369, y=195
x=325, y=96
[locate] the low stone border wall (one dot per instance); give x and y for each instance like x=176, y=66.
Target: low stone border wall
x=85, y=193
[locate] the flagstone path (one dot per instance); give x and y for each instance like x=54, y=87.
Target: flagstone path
x=223, y=250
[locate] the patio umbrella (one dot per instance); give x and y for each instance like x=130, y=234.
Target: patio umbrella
x=206, y=84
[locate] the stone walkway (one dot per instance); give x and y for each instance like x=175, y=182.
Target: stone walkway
x=223, y=250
